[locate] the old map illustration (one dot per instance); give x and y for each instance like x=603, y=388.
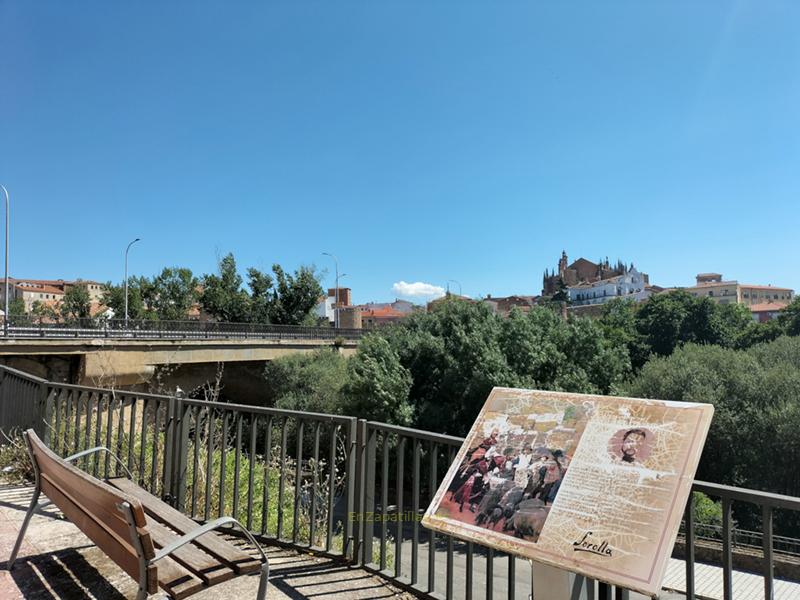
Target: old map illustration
x=592, y=484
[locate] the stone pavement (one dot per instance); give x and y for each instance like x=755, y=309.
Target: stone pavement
x=58, y=561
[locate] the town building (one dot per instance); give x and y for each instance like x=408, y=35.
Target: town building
x=503, y=305
x=631, y=285
x=582, y=271
x=48, y=291
x=326, y=306
x=721, y=291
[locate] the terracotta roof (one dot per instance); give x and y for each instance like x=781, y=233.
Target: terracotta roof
x=767, y=307
x=43, y=289
x=383, y=312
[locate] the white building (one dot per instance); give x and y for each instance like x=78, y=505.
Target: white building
x=630, y=285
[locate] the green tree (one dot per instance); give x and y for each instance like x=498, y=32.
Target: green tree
x=43, y=312
x=282, y=298
x=378, y=385
x=752, y=442
x=114, y=298
x=77, y=302
x=16, y=307
x=171, y=293
x=307, y=382
x=789, y=318
x=223, y=296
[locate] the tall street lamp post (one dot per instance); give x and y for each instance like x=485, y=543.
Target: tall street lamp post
x=126, y=279
x=336, y=297
x=5, y=304
x=454, y=281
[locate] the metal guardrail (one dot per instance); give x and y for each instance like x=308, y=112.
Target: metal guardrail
x=339, y=485
x=29, y=327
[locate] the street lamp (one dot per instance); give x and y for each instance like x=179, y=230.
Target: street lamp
x=126, y=279
x=454, y=281
x=336, y=297
x=5, y=313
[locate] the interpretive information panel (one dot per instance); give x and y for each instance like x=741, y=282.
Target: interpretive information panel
x=592, y=484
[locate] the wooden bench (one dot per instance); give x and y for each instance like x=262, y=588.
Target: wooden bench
x=151, y=541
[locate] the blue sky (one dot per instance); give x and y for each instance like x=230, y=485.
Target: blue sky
x=419, y=141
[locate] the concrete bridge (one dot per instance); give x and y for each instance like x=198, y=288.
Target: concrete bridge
x=107, y=354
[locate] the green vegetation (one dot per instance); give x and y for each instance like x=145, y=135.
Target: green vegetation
x=77, y=303
x=434, y=370
x=280, y=298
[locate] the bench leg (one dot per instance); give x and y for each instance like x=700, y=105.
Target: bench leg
x=28, y=515
x=262, y=582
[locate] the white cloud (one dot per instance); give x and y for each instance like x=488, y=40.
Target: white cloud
x=417, y=289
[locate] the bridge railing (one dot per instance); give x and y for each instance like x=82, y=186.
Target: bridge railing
x=25, y=326
x=338, y=485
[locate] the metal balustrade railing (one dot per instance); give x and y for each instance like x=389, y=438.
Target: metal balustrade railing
x=30, y=327
x=338, y=485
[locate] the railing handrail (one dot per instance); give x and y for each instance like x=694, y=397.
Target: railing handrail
x=24, y=325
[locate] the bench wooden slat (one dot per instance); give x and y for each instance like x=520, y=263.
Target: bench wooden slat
x=118, y=551
x=210, y=542
x=98, y=496
x=177, y=581
x=209, y=569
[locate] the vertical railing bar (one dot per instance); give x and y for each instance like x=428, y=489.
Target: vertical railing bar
x=415, y=509
x=282, y=480
x=512, y=576
x=97, y=432
x=314, y=491
x=237, y=465
x=109, y=428
x=211, y=421
x=766, y=526
x=398, y=542
x=143, y=438
x=431, y=535
x=267, y=466
x=64, y=398
x=77, y=433
x=156, y=442
x=57, y=438
x=332, y=487
x=120, y=432
x=298, y=480
x=689, y=552
x=132, y=433
x=490, y=573
x=88, y=429
x=223, y=466
x=251, y=470
x=384, y=495
x=369, y=493
x=449, y=589
x=197, y=439
x=727, y=556
x=469, y=568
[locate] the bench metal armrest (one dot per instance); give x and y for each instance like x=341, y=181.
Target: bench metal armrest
x=202, y=529
x=77, y=455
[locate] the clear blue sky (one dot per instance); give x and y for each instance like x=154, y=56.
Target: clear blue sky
x=418, y=141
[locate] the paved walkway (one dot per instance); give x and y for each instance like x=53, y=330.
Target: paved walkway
x=58, y=562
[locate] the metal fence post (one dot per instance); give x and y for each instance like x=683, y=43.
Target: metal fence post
x=181, y=450
x=361, y=428
x=369, y=491
x=47, y=408
x=169, y=451
x=353, y=476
